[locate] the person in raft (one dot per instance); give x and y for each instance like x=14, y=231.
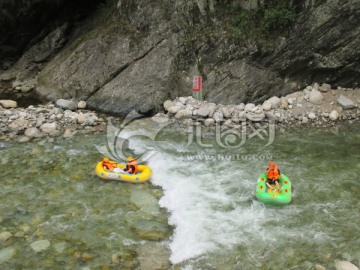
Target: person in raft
x=131, y=166
x=109, y=165
x=273, y=176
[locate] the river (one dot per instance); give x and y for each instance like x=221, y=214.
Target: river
x=205, y=189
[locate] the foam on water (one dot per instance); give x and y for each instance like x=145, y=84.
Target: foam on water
x=202, y=206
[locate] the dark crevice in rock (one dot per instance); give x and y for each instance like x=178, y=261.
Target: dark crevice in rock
x=123, y=68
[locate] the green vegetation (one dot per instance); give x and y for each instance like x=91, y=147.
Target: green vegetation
x=272, y=18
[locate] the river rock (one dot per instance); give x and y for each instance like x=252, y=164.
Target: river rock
x=315, y=97
x=324, y=87
x=81, y=104
x=48, y=127
x=40, y=245
x=154, y=255
x=21, y=122
x=218, y=116
x=334, y=115
x=203, y=111
x=68, y=133
x=266, y=106
x=249, y=107
x=183, y=100
x=60, y=247
x=311, y=116
x=284, y=104
x=150, y=230
x=319, y=267
x=228, y=111
x=32, y=132
x=212, y=108
x=271, y=116
x=66, y=104
x=275, y=102
x=81, y=118
x=160, y=118
x=174, y=109
x=240, y=107
x=6, y=103
x=256, y=116
x=168, y=104
x=4, y=236
x=40, y=120
x=344, y=265
x=23, y=139
x=145, y=201
x=7, y=254
x=304, y=120
x=115, y=258
x=183, y=113
x=345, y=102
x=209, y=122
x=13, y=126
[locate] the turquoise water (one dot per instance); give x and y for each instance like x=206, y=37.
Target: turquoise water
x=198, y=211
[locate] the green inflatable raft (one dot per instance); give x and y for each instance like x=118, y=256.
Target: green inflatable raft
x=269, y=196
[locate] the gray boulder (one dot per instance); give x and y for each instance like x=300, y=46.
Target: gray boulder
x=203, y=111
x=67, y=104
x=334, y=115
x=345, y=102
x=256, y=116
x=168, y=104
x=8, y=103
x=315, y=97
x=183, y=113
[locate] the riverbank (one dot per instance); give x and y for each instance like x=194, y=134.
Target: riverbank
x=63, y=119
x=315, y=106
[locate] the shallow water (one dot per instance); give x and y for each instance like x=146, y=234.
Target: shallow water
x=208, y=194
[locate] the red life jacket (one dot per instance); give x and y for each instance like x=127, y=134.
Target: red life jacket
x=273, y=173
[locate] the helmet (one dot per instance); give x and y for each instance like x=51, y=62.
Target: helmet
x=130, y=158
x=105, y=159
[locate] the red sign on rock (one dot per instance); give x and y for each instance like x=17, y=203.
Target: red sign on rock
x=197, y=83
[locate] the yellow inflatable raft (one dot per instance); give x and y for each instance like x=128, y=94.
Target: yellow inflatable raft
x=143, y=175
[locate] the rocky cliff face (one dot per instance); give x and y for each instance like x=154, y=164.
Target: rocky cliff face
x=135, y=55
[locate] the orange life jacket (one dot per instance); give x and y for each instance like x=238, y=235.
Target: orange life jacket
x=273, y=173
x=132, y=166
x=109, y=165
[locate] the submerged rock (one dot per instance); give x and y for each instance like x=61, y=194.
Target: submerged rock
x=154, y=256
x=344, y=265
x=4, y=236
x=6, y=254
x=145, y=201
x=40, y=245
x=151, y=230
